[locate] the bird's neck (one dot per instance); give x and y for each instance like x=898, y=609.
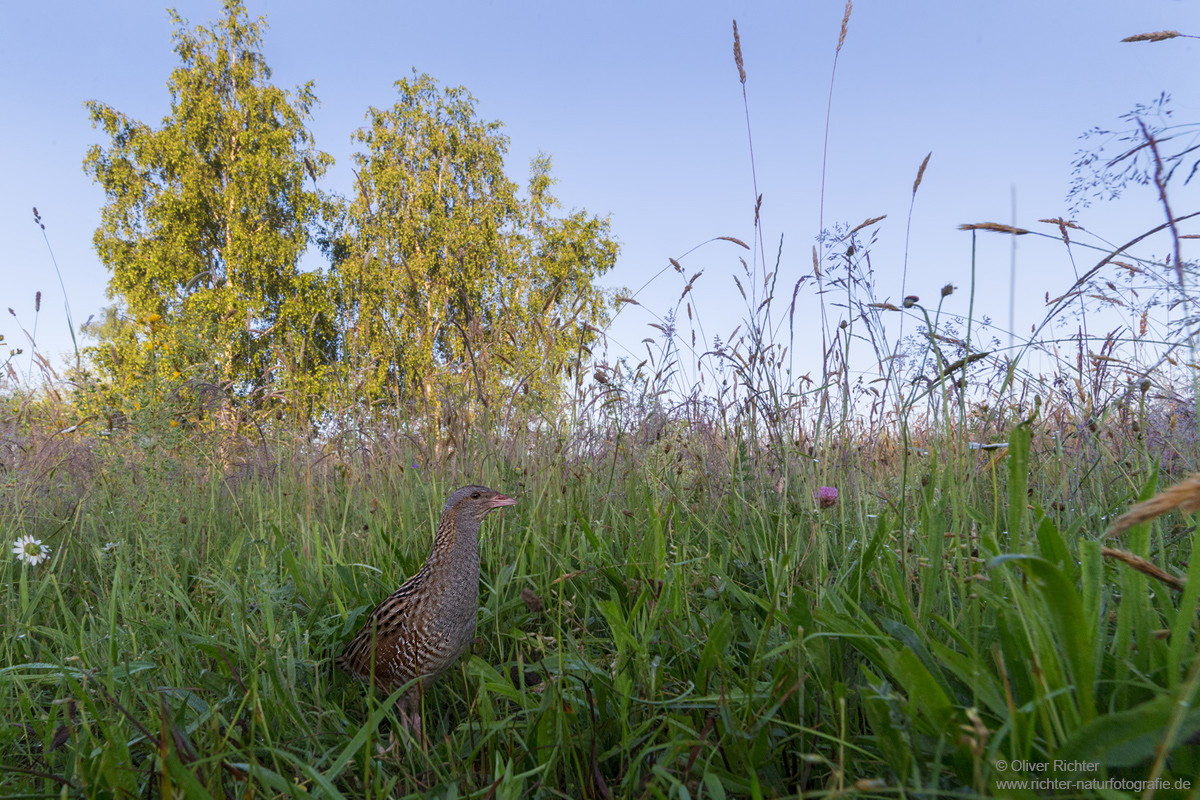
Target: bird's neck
x=455, y=546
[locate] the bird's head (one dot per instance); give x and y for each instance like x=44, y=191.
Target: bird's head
x=474, y=502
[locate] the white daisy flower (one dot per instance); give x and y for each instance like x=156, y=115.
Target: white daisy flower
x=110, y=547
x=30, y=550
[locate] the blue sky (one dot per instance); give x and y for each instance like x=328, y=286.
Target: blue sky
x=640, y=107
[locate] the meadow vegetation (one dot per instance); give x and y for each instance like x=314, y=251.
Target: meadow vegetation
x=223, y=484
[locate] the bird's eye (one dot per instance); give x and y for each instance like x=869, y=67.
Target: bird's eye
x=474, y=495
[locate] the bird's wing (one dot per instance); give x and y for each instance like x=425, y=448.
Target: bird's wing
x=389, y=619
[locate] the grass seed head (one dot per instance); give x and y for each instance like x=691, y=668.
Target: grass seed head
x=921, y=172
x=995, y=227
x=845, y=25
x=737, y=54
x=1157, y=36
x=1184, y=495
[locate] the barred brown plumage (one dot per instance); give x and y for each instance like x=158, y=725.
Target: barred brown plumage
x=422, y=628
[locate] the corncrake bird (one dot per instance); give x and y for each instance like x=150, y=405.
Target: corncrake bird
x=422, y=628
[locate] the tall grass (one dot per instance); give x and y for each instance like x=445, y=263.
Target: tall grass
x=669, y=611
x=662, y=615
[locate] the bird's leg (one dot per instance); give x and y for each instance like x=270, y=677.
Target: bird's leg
x=419, y=729
x=411, y=722
x=415, y=718
x=402, y=708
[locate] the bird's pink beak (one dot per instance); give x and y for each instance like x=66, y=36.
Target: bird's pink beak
x=501, y=500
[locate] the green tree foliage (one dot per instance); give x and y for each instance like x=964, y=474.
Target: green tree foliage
x=459, y=292
x=205, y=220
x=449, y=288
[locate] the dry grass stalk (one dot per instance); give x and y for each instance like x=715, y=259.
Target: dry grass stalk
x=862, y=225
x=962, y=362
x=1157, y=36
x=1145, y=567
x=1062, y=224
x=921, y=172
x=737, y=54
x=845, y=25
x=993, y=226
x=1184, y=495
